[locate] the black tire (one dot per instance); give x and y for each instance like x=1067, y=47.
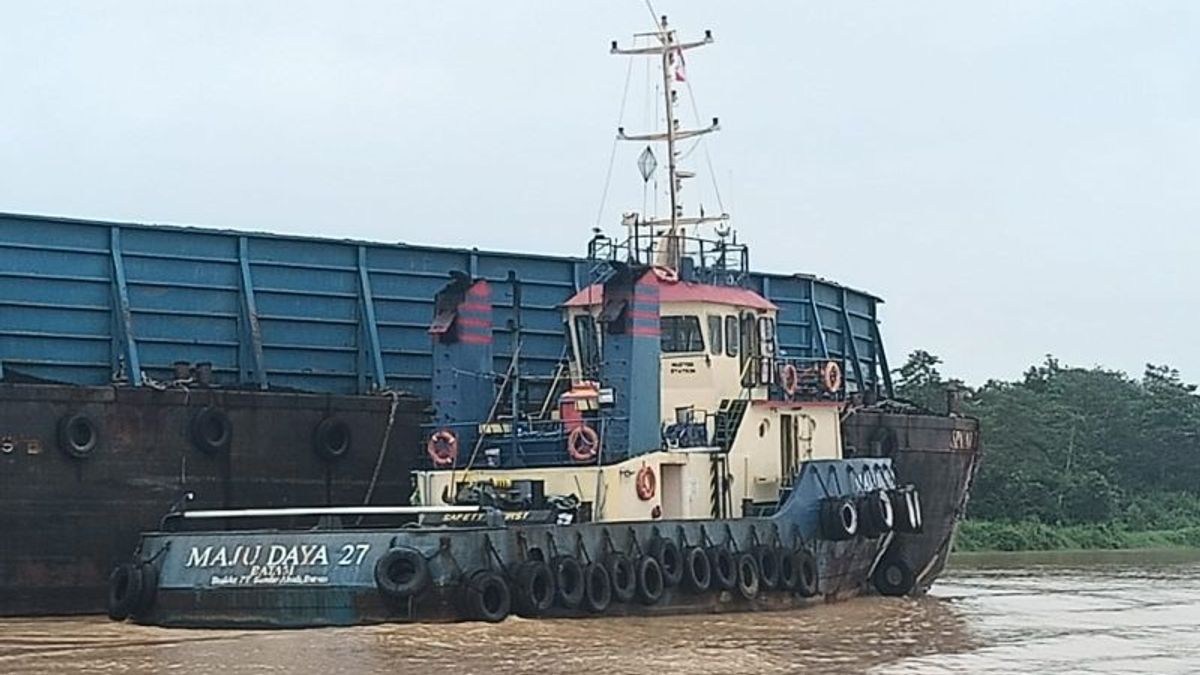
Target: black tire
x=724, y=568
x=669, y=558
x=918, y=513
x=650, y=583
x=839, y=518
x=401, y=572
x=533, y=588
x=622, y=575
x=748, y=577
x=808, y=580
x=78, y=435
x=893, y=576
x=331, y=439
x=124, y=591
x=486, y=597
x=211, y=431
x=878, y=516
x=768, y=561
x=789, y=573
x=597, y=588
x=697, y=570
x=906, y=507
x=149, y=588
x=568, y=581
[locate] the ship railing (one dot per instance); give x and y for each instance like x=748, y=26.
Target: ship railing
x=798, y=377
x=527, y=443
x=330, y=515
x=720, y=262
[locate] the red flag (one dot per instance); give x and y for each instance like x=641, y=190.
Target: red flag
x=680, y=73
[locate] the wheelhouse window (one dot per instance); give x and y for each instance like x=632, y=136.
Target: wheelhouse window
x=731, y=335
x=715, y=326
x=681, y=334
x=589, y=345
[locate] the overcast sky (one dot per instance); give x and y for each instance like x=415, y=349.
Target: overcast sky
x=1014, y=178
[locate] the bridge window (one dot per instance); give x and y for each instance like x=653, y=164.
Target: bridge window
x=681, y=334
x=715, y=324
x=589, y=345
x=731, y=335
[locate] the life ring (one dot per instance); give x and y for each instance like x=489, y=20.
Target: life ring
x=831, y=377
x=443, y=448
x=666, y=274
x=789, y=379
x=583, y=443
x=647, y=483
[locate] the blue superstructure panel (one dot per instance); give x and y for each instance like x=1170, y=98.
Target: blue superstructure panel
x=312, y=314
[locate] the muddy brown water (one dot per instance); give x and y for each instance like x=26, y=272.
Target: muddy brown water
x=1125, y=612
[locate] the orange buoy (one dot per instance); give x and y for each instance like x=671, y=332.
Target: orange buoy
x=647, y=483
x=583, y=443
x=789, y=379
x=443, y=448
x=831, y=377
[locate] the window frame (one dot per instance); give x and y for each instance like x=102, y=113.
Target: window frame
x=716, y=329
x=673, y=333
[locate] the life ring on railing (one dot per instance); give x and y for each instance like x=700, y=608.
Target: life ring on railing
x=647, y=483
x=831, y=377
x=583, y=443
x=665, y=274
x=443, y=448
x=789, y=379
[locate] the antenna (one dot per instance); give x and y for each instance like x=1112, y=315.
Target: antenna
x=670, y=51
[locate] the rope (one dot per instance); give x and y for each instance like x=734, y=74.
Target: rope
x=387, y=434
x=707, y=157
x=612, y=155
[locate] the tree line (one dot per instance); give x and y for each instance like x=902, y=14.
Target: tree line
x=1073, y=446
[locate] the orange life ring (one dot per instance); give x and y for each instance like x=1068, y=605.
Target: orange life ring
x=583, y=443
x=443, y=448
x=646, y=484
x=831, y=377
x=789, y=379
x=666, y=274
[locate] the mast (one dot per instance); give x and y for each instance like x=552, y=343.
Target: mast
x=668, y=50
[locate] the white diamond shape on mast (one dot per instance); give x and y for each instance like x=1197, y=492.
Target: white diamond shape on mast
x=647, y=163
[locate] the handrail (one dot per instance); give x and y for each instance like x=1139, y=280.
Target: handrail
x=282, y=512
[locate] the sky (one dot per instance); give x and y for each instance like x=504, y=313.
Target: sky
x=1014, y=178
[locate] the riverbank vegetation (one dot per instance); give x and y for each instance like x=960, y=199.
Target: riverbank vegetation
x=1076, y=457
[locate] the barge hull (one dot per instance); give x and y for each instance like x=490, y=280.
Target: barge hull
x=66, y=521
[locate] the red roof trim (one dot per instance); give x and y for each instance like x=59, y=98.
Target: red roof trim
x=683, y=292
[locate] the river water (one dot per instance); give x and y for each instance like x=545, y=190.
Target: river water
x=1119, y=612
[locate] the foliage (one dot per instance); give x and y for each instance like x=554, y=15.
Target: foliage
x=1076, y=457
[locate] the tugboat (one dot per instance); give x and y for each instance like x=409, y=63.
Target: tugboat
x=681, y=465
